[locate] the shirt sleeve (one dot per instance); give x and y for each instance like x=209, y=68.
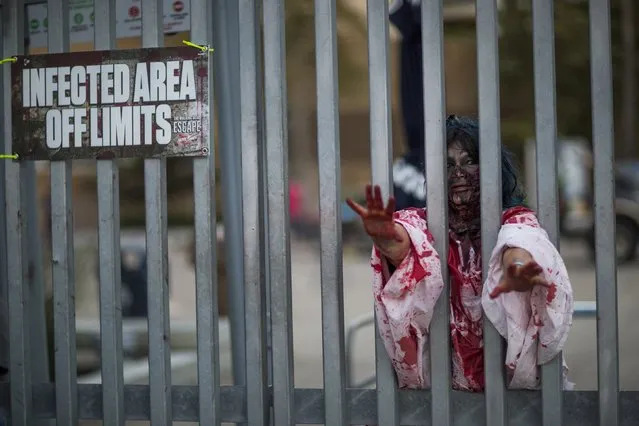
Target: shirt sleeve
x=405, y=299
x=535, y=324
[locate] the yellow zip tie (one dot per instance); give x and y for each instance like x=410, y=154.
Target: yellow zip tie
x=10, y=59
x=8, y=156
x=205, y=49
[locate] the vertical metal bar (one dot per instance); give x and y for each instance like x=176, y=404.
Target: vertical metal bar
x=33, y=264
x=328, y=148
x=629, y=96
x=227, y=68
x=381, y=158
x=35, y=279
x=437, y=201
x=265, y=265
x=491, y=202
x=157, y=251
x=18, y=294
x=278, y=212
x=606, y=273
x=254, y=291
x=4, y=282
x=62, y=250
x=205, y=244
x=109, y=253
x=530, y=168
x=547, y=190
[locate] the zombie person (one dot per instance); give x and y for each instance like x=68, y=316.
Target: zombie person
x=408, y=176
x=526, y=295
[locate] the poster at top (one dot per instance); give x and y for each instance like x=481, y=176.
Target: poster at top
x=129, y=17
x=147, y=103
x=177, y=18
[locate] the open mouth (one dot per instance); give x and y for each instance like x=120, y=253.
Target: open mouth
x=459, y=188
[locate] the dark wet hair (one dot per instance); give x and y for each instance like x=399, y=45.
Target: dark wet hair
x=465, y=132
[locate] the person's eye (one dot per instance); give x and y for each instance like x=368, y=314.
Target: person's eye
x=470, y=162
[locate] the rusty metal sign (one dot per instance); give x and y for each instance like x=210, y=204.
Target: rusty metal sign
x=147, y=103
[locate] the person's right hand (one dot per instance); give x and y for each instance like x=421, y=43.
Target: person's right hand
x=377, y=219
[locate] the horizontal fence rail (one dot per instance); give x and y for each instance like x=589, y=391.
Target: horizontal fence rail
x=252, y=110
x=581, y=407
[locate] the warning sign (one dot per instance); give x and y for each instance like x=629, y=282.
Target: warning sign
x=106, y=104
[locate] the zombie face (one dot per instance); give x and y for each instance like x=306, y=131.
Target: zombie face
x=463, y=177
x=463, y=193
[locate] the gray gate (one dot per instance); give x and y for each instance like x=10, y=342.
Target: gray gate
x=265, y=243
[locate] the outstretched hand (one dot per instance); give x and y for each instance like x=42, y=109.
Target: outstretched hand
x=520, y=278
x=377, y=219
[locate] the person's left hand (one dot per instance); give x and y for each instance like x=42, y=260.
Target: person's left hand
x=520, y=278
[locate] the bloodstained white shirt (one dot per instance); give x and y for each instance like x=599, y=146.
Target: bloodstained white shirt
x=535, y=324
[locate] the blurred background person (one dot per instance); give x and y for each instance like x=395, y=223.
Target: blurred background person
x=408, y=177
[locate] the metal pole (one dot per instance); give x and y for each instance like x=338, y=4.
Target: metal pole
x=38, y=327
x=18, y=294
x=225, y=36
x=381, y=159
x=490, y=191
x=208, y=348
x=605, y=240
x=331, y=267
x=4, y=319
x=547, y=190
x=436, y=200
x=109, y=253
x=276, y=142
x=629, y=85
x=39, y=347
x=157, y=251
x=263, y=194
x=257, y=398
x=62, y=254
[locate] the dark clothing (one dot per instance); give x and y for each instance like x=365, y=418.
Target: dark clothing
x=408, y=172
x=404, y=199
x=405, y=15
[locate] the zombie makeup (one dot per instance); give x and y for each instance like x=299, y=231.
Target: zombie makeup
x=463, y=190
x=463, y=176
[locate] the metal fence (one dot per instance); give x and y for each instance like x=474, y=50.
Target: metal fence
x=265, y=243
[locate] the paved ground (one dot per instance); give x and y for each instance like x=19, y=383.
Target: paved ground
x=580, y=349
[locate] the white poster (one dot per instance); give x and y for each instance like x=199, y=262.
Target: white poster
x=129, y=17
x=81, y=21
x=128, y=20
x=37, y=23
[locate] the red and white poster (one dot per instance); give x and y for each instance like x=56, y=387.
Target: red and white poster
x=128, y=20
x=129, y=17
